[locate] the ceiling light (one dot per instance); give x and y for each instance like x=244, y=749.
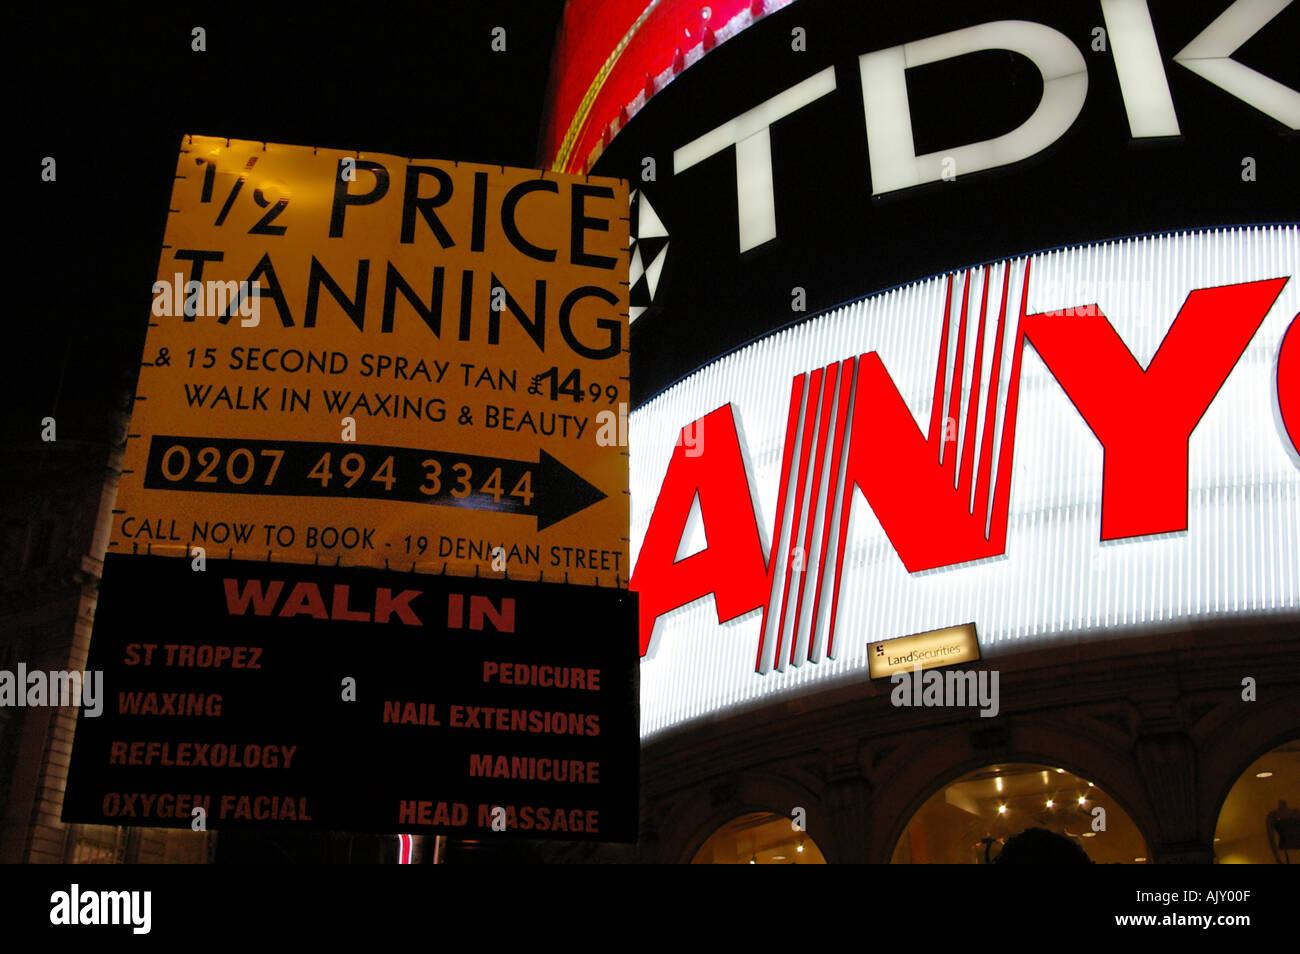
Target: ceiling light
x=1082, y=799
x=1139, y=860
x=1002, y=809
x=1263, y=775
x=1051, y=804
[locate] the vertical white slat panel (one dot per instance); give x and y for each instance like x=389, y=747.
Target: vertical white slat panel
x=1240, y=554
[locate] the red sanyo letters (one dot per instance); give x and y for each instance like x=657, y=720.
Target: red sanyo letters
x=1143, y=419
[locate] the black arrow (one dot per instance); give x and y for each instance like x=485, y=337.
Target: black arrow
x=546, y=489
x=568, y=493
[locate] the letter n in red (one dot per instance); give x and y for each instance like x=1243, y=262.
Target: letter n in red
x=934, y=504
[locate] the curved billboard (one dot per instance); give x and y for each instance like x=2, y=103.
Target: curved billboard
x=971, y=318
x=1068, y=444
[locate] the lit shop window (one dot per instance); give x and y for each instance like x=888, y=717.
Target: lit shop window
x=971, y=819
x=760, y=838
x=95, y=844
x=1259, y=822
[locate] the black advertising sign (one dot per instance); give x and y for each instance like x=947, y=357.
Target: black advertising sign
x=346, y=698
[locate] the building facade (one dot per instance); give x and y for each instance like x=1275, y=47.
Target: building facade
x=901, y=278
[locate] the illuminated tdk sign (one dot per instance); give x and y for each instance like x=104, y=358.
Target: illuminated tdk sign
x=1083, y=440
x=892, y=157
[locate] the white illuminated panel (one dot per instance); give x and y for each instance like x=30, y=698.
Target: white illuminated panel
x=1240, y=555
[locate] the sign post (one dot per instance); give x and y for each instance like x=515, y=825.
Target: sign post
x=377, y=421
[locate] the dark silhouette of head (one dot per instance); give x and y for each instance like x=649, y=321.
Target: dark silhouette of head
x=1038, y=846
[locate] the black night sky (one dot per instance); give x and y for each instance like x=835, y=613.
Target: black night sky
x=109, y=93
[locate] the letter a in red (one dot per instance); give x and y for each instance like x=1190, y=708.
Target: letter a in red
x=732, y=566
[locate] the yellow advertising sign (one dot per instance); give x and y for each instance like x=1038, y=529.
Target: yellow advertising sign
x=938, y=647
x=363, y=359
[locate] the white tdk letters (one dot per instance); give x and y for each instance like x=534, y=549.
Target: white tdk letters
x=748, y=132
x=894, y=162
x=891, y=149
x=1209, y=55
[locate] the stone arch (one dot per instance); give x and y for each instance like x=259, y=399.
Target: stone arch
x=907, y=782
x=1227, y=752
x=710, y=806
